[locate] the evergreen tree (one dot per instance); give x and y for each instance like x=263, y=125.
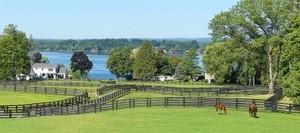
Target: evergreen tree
x=144, y=66
x=180, y=72
x=14, y=58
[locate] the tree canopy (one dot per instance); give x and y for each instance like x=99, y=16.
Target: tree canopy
x=255, y=28
x=81, y=62
x=119, y=62
x=14, y=57
x=144, y=66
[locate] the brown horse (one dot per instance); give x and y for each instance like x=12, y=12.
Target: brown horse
x=220, y=106
x=253, y=110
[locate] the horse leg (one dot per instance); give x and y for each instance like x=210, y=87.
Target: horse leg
x=225, y=111
x=255, y=111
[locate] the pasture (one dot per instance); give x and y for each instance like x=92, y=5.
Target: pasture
x=157, y=119
x=12, y=98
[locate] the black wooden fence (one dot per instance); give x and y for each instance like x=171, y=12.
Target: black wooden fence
x=45, y=90
x=110, y=93
x=102, y=105
x=191, y=91
x=18, y=110
x=49, y=83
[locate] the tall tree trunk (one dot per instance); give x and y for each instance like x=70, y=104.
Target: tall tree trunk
x=253, y=80
x=271, y=79
x=81, y=74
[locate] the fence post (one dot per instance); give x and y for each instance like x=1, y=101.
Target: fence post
x=25, y=89
x=61, y=110
x=133, y=103
x=147, y=102
x=112, y=105
x=77, y=108
x=34, y=89
x=95, y=107
x=10, y=114
x=198, y=102
x=117, y=102
x=129, y=102
x=290, y=108
x=166, y=102
x=45, y=90
x=183, y=102
x=236, y=103
x=55, y=90
x=28, y=113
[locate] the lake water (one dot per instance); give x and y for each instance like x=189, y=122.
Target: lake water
x=98, y=71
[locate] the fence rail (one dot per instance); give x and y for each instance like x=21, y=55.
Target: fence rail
x=45, y=90
x=110, y=93
x=53, y=83
x=191, y=91
x=94, y=106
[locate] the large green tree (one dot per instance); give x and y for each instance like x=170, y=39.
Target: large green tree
x=290, y=72
x=191, y=63
x=119, y=62
x=14, y=58
x=81, y=62
x=144, y=66
x=219, y=60
x=261, y=23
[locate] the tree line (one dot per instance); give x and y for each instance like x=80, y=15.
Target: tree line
x=103, y=46
x=145, y=63
x=257, y=42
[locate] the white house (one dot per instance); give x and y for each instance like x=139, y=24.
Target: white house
x=47, y=71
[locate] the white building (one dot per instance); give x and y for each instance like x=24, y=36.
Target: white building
x=209, y=77
x=47, y=71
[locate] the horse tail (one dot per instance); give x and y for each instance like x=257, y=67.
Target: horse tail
x=225, y=110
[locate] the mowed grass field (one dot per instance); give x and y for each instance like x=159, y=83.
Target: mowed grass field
x=13, y=98
x=157, y=120
x=156, y=95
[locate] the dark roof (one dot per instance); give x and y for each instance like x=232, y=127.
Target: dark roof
x=44, y=65
x=62, y=70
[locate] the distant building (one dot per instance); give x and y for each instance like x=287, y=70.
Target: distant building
x=48, y=71
x=209, y=77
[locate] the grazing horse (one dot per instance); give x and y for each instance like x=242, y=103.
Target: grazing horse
x=220, y=106
x=253, y=110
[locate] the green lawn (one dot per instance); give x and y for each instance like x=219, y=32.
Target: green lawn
x=157, y=120
x=153, y=95
x=286, y=100
x=12, y=98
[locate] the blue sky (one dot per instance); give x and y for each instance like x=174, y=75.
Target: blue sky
x=79, y=19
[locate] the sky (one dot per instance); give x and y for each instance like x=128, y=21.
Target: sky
x=97, y=19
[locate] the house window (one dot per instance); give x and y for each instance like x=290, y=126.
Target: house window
x=50, y=69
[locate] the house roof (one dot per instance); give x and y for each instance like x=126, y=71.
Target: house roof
x=44, y=65
x=62, y=70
